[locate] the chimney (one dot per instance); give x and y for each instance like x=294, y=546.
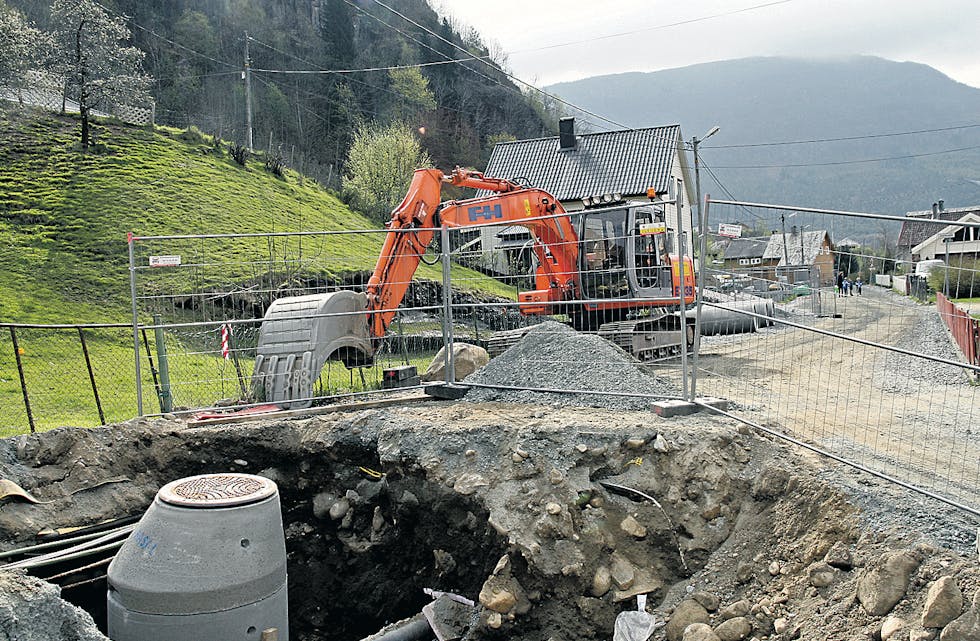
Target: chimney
x=566, y=134
x=942, y=205
x=935, y=209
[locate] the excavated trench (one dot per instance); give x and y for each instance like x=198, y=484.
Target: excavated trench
x=551, y=520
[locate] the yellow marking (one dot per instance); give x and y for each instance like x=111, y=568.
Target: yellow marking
x=374, y=474
x=527, y=207
x=637, y=461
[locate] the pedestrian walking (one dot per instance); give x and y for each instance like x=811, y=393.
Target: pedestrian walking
x=858, y=284
x=840, y=284
x=847, y=287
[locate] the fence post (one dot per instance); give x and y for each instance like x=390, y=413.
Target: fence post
x=91, y=376
x=447, y=309
x=130, y=241
x=23, y=382
x=680, y=255
x=166, y=400
x=703, y=253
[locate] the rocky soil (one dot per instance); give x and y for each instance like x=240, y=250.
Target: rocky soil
x=738, y=536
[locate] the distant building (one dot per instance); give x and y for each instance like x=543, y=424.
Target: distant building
x=956, y=241
x=744, y=254
x=573, y=167
x=918, y=238
x=797, y=252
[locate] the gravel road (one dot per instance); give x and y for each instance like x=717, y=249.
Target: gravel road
x=913, y=419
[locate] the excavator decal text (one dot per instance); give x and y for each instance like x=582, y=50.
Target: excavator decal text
x=487, y=212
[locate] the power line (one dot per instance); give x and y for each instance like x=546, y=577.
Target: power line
x=848, y=162
x=347, y=71
x=654, y=28
x=863, y=137
x=727, y=192
x=351, y=79
x=509, y=75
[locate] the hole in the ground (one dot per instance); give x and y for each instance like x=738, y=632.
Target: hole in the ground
x=360, y=549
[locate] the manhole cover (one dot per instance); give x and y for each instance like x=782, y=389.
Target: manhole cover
x=217, y=490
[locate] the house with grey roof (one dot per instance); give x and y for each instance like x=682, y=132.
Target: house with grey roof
x=922, y=234
x=801, y=250
x=574, y=167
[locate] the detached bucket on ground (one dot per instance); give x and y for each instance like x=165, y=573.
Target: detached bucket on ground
x=206, y=561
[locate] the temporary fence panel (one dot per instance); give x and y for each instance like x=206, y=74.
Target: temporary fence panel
x=872, y=379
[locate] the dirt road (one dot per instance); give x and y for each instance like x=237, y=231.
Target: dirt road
x=908, y=417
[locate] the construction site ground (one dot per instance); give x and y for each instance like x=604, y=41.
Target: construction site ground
x=553, y=516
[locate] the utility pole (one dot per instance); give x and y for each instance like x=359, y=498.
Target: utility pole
x=785, y=250
x=248, y=97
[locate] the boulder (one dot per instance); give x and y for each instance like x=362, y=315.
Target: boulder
x=944, y=602
x=883, y=585
x=466, y=358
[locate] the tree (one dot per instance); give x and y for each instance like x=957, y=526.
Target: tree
x=90, y=49
x=413, y=94
x=380, y=165
x=22, y=48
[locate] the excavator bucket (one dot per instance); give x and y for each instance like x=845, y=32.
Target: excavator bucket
x=301, y=333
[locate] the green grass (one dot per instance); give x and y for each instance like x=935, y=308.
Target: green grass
x=64, y=219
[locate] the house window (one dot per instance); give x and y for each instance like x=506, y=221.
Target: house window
x=756, y=261
x=743, y=261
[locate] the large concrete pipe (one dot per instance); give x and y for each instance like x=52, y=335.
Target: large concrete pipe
x=206, y=561
x=727, y=320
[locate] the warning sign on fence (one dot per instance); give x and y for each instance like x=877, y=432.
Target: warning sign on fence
x=164, y=261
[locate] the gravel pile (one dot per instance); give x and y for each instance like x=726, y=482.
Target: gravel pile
x=554, y=356
x=929, y=335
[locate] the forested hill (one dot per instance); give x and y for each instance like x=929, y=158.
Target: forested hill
x=195, y=53
x=766, y=100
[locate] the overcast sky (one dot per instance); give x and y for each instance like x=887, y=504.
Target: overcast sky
x=944, y=34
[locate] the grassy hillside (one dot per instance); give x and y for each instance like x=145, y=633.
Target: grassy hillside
x=64, y=218
x=64, y=215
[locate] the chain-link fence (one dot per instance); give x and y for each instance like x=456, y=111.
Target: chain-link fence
x=54, y=375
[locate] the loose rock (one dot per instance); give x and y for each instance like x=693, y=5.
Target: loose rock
x=880, y=588
x=687, y=612
x=632, y=527
x=738, y=609
x=734, y=629
x=601, y=581
x=944, y=602
x=699, y=632
x=891, y=627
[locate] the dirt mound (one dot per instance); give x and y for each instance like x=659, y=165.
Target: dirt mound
x=554, y=356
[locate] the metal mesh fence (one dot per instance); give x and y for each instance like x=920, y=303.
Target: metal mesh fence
x=65, y=375
x=868, y=375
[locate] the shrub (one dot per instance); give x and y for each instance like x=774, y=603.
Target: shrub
x=240, y=153
x=964, y=278
x=276, y=164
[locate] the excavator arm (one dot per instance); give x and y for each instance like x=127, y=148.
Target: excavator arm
x=421, y=212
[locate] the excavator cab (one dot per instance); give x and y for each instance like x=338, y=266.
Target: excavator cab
x=624, y=252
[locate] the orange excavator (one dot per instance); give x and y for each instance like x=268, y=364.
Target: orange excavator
x=606, y=267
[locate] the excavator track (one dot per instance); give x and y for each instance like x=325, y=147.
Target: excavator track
x=648, y=339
